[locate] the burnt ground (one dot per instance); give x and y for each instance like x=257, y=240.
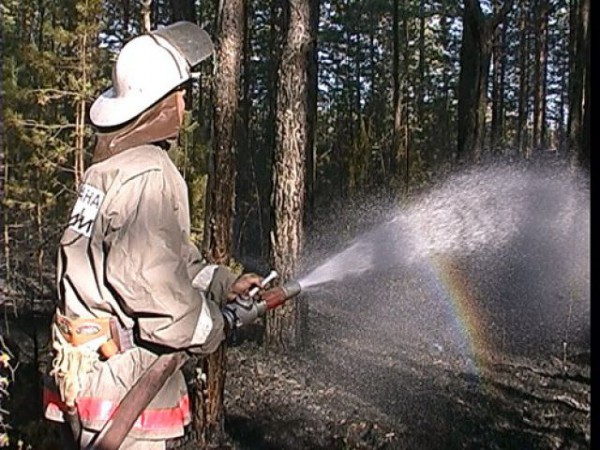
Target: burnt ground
x=390, y=396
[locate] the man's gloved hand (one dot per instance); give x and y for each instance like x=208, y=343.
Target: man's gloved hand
x=241, y=309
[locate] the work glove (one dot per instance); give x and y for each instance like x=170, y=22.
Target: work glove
x=241, y=309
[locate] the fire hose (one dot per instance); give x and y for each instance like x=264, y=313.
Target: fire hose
x=237, y=313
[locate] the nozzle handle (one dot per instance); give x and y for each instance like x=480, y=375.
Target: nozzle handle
x=263, y=283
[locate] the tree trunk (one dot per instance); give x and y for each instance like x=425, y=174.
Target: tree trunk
x=585, y=153
x=81, y=111
x=400, y=64
x=220, y=201
x=475, y=54
x=578, y=79
x=146, y=19
x=284, y=324
x=347, y=139
x=523, y=112
x=203, y=111
x=561, y=124
x=357, y=167
x=221, y=184
x=396, y=105
x=246, y=241
x=497, y=126
x=126, y=4
x=183, y=10
x=266, y=161
x=421, y=82
x=312, y=86
x=573, y=27
x=474, y=65
x=445, y=115
x=6, y=265
x=539, y=83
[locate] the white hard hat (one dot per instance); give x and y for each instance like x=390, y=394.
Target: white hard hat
x=147, y=69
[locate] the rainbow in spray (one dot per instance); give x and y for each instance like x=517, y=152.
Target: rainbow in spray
x=450, y=284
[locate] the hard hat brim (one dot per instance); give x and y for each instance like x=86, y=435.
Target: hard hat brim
x=108, y=110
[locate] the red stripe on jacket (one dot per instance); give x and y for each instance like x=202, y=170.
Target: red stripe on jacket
x=97, y=409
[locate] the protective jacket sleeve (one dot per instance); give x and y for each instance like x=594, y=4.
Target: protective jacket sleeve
x=151, y=264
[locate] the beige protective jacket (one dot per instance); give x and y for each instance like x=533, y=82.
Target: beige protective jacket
x=126, y=252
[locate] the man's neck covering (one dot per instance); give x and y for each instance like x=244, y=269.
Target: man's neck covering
x=158, y=123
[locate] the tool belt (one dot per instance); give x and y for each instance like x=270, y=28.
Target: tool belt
x=104, y=334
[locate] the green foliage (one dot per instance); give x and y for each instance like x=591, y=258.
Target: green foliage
x=356, y=76
x=8, y=367
x=190, y=155
x=49, y=67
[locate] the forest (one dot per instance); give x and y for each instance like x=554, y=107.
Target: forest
x=422, y=168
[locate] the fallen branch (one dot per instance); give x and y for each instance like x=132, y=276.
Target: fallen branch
x=573, y=403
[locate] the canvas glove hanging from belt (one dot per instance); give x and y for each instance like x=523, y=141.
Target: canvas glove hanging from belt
x=78, y=344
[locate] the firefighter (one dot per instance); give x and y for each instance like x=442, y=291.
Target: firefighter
x=131, y=285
